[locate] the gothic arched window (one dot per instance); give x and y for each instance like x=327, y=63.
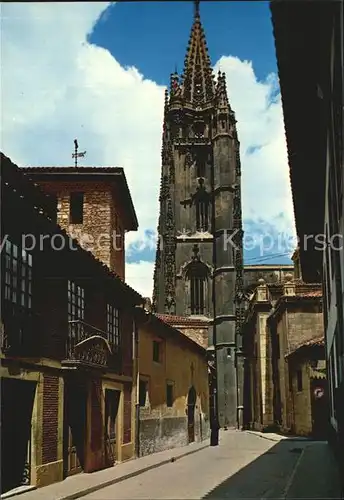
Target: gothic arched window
x=197, y=277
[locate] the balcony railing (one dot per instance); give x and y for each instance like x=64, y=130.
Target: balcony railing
x=88, y=346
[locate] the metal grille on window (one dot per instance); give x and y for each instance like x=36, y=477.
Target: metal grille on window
x=113, y=326
x=197, y=275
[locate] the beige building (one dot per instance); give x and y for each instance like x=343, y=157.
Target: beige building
x=173, y=393
x=285, y=383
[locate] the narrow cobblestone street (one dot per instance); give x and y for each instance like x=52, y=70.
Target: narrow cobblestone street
x=244, y=466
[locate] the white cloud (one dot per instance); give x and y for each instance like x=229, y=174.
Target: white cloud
x=140, y=276
x=265, y=176
x=56, y=87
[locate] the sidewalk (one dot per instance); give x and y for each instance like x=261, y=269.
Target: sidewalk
x=272, y=436
x=82, y=484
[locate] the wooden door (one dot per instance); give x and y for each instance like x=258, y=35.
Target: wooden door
x=75, y=427
x=112, y=398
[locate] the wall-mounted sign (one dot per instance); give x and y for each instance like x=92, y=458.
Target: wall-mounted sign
x=319, y=392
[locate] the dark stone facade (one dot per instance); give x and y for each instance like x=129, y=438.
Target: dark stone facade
x=200, y=216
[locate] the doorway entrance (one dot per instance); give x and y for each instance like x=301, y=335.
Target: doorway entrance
x=112, y=398
x=319, y=405
x=75, y=421
x=17, y=400
x=192, y=396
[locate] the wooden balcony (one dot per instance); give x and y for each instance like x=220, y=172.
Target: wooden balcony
x=20, y=333
x=88, y=347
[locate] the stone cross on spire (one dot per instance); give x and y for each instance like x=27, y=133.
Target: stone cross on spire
x=196, y=9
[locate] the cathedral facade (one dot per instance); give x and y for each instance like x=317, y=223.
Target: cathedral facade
x=199, y=264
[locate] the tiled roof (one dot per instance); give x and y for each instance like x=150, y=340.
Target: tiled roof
x=74, y=169
x=319, y=341
x=183, y=320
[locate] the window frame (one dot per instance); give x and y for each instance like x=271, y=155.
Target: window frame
x=197, y=276
x=158, y=344
x=76, y=292
x=18, y=277
x=113, y=325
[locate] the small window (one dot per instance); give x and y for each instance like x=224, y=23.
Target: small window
x=156, y=351
x=18, y=275
x=113, y=326
x=143, y=389
x=76, y=208
x=169, y=394
x=299, y=380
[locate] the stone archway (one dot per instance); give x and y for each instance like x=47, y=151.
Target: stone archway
x=192, y=396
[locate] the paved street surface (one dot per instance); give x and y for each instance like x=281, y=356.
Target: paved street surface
x=244, y=465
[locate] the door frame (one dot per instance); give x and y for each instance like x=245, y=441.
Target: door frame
x=116, y=386
x=74, y=382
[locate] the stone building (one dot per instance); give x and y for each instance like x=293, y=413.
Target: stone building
x=94, y=206
x=173, y=387
x=67, y=374
x=309, y=48
x=295, y=323
x=200, y=209
x=284, y=346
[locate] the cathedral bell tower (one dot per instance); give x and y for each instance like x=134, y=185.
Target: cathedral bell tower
x=198, y=269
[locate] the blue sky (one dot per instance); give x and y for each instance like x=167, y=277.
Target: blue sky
x=153, y=35
x=97, y=72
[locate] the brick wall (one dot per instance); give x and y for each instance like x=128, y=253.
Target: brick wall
x=127, y=413
x=50, y=418
x=101, y=217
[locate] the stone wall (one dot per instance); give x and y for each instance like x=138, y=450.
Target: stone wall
x=304, y=325
x=163, y=432
x=301, y=400
x=198, y=335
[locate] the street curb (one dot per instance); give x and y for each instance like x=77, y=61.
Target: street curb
x=100, y=486
x=283, y=438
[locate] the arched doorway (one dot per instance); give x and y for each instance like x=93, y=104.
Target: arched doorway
x=192, y=396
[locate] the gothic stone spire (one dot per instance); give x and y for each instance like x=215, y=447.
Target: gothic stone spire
x=197, y=80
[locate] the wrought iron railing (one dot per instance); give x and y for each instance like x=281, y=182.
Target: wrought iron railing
x=89, y=345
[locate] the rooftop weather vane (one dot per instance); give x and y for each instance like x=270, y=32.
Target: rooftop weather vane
x=77, y=155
